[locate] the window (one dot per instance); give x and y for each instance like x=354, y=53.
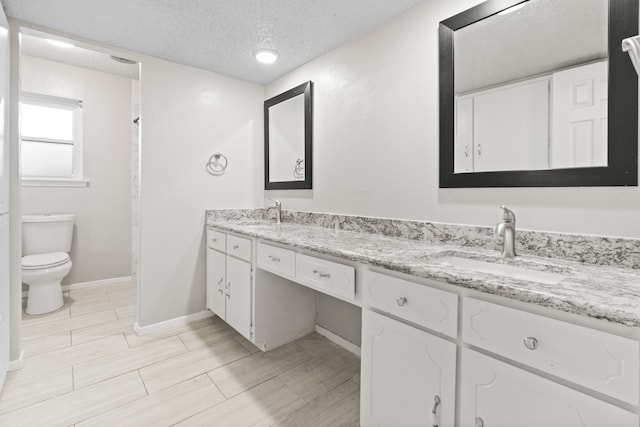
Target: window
x=51, y=140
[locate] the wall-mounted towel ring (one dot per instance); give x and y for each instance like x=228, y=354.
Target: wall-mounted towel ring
x=298, y=169
x=217, y=164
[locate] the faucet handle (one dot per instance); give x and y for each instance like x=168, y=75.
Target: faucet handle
x=507, y=214
x=277, y=202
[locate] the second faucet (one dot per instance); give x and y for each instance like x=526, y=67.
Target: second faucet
x=507, y=229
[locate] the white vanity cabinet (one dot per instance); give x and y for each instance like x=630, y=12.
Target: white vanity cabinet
x=408, y=375
x=495, y=394
x=229, y=273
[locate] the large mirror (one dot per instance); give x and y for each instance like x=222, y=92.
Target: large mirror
x=538, y=93
x=288, y=126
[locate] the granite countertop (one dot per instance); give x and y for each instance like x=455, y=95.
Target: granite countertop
x=600, y=292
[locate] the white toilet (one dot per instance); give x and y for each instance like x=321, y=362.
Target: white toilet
x=46, y=241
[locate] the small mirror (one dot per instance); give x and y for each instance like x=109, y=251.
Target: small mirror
x=288, y=126
x=538, y=93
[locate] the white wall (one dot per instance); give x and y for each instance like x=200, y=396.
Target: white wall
x=101, y=247
x=188, y=115
x=376, y=141
x=5, y=179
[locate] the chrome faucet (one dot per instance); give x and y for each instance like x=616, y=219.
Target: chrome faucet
x=507, y=229
x=278, y=209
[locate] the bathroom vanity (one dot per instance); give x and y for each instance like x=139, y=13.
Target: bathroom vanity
x=451, y=334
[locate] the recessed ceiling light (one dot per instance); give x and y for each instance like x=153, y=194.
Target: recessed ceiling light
x=512, y=9
x=266, y=56
x=59, y=43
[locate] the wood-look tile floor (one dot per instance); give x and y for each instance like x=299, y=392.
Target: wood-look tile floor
x=85, y=366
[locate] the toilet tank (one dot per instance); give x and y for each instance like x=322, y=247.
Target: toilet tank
x=46, y=233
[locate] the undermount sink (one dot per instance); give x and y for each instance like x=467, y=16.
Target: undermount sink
x=511, y=271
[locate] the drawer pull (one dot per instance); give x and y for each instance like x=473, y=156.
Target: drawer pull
x=401, y=301
x=235, y=246
x=322, y=275
x=434, y=412
x=531, y=343
x=213, y=239
x=274, y=258
x=479, y=422
x=228, y=290
x=220, y=284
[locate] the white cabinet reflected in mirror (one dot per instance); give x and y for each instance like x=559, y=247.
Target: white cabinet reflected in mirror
x=538, y=93
x=288, y=139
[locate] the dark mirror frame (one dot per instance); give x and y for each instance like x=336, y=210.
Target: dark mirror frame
x=307, y=90
x=622, y=133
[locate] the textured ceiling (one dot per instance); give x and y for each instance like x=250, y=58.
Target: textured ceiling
x=542, y=36
x=216, y=35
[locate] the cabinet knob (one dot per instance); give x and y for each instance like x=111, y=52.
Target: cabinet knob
x=531, y=343
x=401, y=301
x=479, y=422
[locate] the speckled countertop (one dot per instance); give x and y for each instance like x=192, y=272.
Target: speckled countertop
x=601, y=292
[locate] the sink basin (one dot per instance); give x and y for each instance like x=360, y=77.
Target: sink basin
x=511, y=271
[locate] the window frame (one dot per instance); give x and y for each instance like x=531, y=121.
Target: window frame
x=76, y=107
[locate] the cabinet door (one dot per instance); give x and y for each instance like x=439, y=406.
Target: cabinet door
x=216, y=285
x=404, y=371
x=495, y=394
x=463, y=146
x=238, y=314
x=511, y=128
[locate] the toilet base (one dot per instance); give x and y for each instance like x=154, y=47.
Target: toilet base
x=44, y=297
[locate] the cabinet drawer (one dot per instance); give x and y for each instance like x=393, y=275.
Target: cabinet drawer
x=277, y=260
x=420, y=304
x=598, y=360
x=239, y=247
x=216, y=240
x=326, y=276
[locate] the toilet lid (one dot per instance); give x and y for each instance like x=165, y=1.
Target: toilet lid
x=32, y=262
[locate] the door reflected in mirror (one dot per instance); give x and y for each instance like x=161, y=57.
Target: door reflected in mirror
x=288, y=139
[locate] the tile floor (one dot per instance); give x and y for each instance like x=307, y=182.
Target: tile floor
x=85, y=366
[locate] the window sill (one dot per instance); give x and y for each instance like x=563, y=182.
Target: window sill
x=44, y=182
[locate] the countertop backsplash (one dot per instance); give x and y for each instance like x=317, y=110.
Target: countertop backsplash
x=598, y=250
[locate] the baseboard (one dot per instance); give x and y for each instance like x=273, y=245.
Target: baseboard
x=171, y=323
x=14, y=365
x=93, y=283
x=338, y=340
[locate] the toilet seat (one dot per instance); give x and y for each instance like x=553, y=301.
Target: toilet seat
x=42, y=261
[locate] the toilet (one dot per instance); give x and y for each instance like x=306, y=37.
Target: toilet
x=46, y=242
